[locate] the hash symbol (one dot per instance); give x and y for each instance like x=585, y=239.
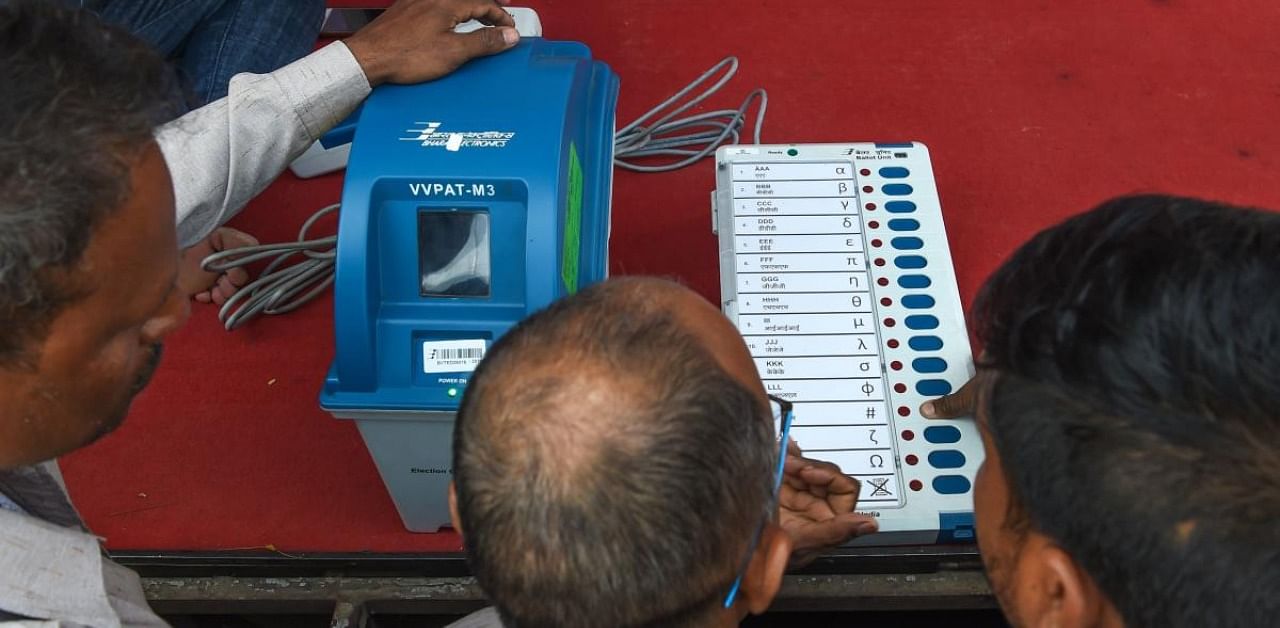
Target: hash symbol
x=878, y=487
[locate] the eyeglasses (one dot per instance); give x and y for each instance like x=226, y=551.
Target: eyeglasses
x=783, y=413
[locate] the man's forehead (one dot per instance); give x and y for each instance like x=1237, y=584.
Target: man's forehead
x=135, y=247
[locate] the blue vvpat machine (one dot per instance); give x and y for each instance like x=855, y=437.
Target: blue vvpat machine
x=470, y=202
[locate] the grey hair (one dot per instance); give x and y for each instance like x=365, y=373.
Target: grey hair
x=82, y=99
x=609, y=471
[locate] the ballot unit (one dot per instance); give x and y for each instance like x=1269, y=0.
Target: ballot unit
x=835, y=268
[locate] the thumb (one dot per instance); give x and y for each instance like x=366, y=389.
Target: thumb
x=225, y=238
x=863, y=524
x=839, y=530
x=487, y=41
x=238, y=240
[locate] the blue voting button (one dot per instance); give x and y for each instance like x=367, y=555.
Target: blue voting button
x=951, y=484
x=907, y=243
x=900, y=207
x=894, y=172
x=917, y=301
x=904, y=224
x=933, y=387
x=925, y=343
x=914, y=281
x=896, y=189
x=946, y=459
x=921, y=321
x=929, y=365
x=942, y=434
x=910, y=262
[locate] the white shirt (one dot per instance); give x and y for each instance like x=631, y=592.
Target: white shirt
x=220, y=156
x=225, y=153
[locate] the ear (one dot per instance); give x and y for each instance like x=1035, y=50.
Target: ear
x=1068, y=596
x=453, y=508
x=764, y=574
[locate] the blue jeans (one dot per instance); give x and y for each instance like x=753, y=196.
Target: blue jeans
x=210, y=41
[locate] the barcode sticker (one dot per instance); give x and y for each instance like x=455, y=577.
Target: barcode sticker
x=451, y=356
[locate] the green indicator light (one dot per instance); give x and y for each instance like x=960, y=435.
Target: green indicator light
x=793, y=152
x=453, y=392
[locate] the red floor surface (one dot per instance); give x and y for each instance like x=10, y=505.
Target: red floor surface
x=1033, y=110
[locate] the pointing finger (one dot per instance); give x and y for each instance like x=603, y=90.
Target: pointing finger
x=963, y=402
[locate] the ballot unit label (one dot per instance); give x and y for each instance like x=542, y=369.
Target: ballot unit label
x=807, y=311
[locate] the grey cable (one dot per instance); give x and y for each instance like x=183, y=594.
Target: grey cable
x=691, y=138
x=281, y=289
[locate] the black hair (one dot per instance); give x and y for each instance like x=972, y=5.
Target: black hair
x=81, y=99
x=609, y=472
x=1137, y=405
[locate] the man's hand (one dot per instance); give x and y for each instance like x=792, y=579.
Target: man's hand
x=212, y=287
x=963, y=402
x=816, y=505
x=413, y=41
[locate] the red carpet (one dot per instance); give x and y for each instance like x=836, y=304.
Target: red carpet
x=1034, y=110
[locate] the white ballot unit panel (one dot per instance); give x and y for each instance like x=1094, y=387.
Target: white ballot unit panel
x=835, y=267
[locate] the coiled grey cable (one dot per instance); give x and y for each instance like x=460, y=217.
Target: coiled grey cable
x=281, y=289
x=663, y=136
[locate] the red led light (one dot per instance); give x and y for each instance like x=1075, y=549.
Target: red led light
x=899, y=388
x=868, y=189
x=873, y=225
x=871, y=207
x=882, y=281
x=895, y=365
x=889, y=322
x=865, y=172
x=908, y=435
x=904, y=411
x=877, y=242
x=912, y=459
x=879, y=261
x=917, y=485
x=886, y=301
x=893, y=344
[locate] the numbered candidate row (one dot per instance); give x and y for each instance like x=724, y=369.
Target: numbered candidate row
x=807, y=282
x=800, y=262
x=791, y=171
x=805, y=303
x=817, y=345
x=795, y=207
x=834, y=389
x=796, y=225
x=794, y=189
x=825, y=367
x=830, y=243
x=858, y=462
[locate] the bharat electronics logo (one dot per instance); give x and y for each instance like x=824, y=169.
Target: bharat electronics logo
x=430, y=136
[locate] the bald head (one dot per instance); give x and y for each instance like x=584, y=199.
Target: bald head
x=613, y=456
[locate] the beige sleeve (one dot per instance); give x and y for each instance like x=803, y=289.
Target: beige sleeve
x=225, y=153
